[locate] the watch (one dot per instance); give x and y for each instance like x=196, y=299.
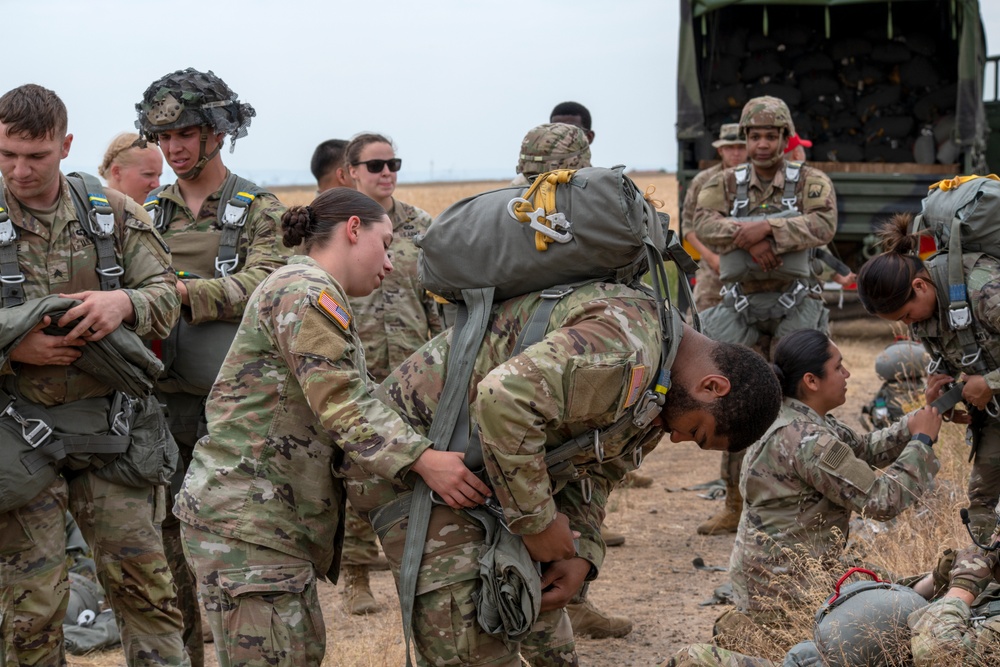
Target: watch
x=924, y=438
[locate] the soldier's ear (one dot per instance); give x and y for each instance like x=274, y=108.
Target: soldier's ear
x=66, y=143
x=711, y=387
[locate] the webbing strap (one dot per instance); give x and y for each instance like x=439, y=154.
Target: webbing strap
x=54, y=451
x=461, y=360
x=741, y=204
x=161, y=210
x=98, y=222
x=11, y=278
x=536, y=327
x=788, y=197
x=234, y=204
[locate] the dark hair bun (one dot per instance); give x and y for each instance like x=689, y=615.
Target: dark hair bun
x=296, y=225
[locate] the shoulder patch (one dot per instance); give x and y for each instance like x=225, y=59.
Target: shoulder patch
x=839, y=460
x=635, y=385
x=815, y=190
x=332, y=308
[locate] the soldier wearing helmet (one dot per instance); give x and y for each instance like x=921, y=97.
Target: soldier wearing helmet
x=551, y=146
x=763, y=218
x=223, y=234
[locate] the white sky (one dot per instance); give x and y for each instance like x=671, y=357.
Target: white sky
x=455, y=83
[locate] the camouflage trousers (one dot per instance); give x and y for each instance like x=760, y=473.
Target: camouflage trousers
x=706, y=655
x=730, y=468
x=360, y=547
x=445, y=630
x=261, y=604
x=706, y=287
x=122, y=526
x=186, y=420
x=984, y=482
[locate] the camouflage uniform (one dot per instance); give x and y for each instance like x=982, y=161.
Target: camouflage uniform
x=983, y=288
x=551, y=146
x=393, y=322
x=707, y=284
x=194, y=243
x=800, y=485
x=603, y=342
x=707, y=655
x=120, y=523
x=261, y=508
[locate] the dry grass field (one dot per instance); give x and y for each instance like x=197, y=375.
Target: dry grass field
x=651, y=578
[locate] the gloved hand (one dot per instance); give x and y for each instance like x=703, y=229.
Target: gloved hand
x=973, y=569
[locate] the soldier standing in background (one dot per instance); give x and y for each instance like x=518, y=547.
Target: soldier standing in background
x=732, y=151
x=763, y=218
x=55, y=254
x=573, y=113
x=223, y=231
x=393, y=321
x=328, y=166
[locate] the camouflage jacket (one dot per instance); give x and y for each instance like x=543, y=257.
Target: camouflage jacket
x=194, y=243
x=398, y=317
x=291, y=399
x=595, y=361
x=982, y=280
x=814, y=228
x=707, y=280
x=944, y=634
x=800, y=484
x=61, y=258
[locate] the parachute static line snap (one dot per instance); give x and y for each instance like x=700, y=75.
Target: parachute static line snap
x=538, y=208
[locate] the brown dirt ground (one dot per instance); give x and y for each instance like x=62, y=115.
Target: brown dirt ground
x=651, y=578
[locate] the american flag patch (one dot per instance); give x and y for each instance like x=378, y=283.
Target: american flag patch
x=635, y=385
x=336, y=312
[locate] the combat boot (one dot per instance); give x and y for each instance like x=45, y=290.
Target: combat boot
x=358, y=598
x=611, y=538
x=727, y=520
x=635, y=480
x=589, y=620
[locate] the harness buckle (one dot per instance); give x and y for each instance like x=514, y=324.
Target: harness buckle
x=120, y=423
x=959, y=318
x=739, y=204
x=587, y=489
x=34, y=431
x=637, y=456
x=993, y=408
x=12, y=280
x=556, y=292
x=741, y=303
x=969, y=359
x=235, y=214
x=788, y=299
x=224, y=266
x=102, y=222
x=933, y=365
x=648, y=407
x=7, y=233
x=789, y=203
x=598, y=447
x=113, y=272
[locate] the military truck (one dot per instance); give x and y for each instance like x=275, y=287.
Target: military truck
x=890, y=92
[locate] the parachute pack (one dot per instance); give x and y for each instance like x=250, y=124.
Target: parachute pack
x=570, y=227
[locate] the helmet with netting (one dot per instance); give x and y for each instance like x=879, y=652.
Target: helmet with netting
x=187, y=98
x=865, y=625
x=553, y=146
x=766, y=111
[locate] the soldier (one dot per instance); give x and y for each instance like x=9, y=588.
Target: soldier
x=328, y=166
x=898, y=286
x=129, y=169
x=763, y=218
x=732, y=151
x=524, y=408
x=551, y=146
x=393, y=321
x=803, y=479
x=54, y=253
x=573, y=113
x=261, y=506
x=222, y=231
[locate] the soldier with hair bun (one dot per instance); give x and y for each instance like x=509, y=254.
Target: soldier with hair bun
x=262, y=505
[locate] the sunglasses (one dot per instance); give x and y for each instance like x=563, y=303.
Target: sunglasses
x=376, y=166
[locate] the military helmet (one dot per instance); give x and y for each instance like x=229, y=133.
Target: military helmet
x=766, y=111
x=188, y=97
x=902, y=360
x=864, y=624
x=553, y=146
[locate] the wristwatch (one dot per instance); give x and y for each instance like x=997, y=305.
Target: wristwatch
x=924, y=438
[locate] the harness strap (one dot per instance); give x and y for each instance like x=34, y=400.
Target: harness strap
x=98, y=222
x=160, y=210
x=234, y=204
x=788, y=197
x=741, y=204
x=11, y=290
x=465, y=345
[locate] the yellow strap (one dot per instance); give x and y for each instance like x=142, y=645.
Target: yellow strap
x=542, y=194
x=953, y=183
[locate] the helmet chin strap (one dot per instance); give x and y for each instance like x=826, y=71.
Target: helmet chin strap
x=770, y=162
x=203, y=159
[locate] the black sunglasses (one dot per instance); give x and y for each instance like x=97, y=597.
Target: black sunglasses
x=376, y=166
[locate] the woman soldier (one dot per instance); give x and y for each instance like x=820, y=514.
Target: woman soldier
x=262, y=510
x=900, y=287
x=802, y=480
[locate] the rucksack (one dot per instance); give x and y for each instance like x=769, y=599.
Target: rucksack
x=961, y=215
x=569, y=227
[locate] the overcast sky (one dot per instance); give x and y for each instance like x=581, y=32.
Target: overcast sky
x=456, y=83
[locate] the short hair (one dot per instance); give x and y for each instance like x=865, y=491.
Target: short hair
x=754, y=397
x=800, y=352
x=33, y=112
x=572, y=109
x=328, y=156
x=119, y=151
